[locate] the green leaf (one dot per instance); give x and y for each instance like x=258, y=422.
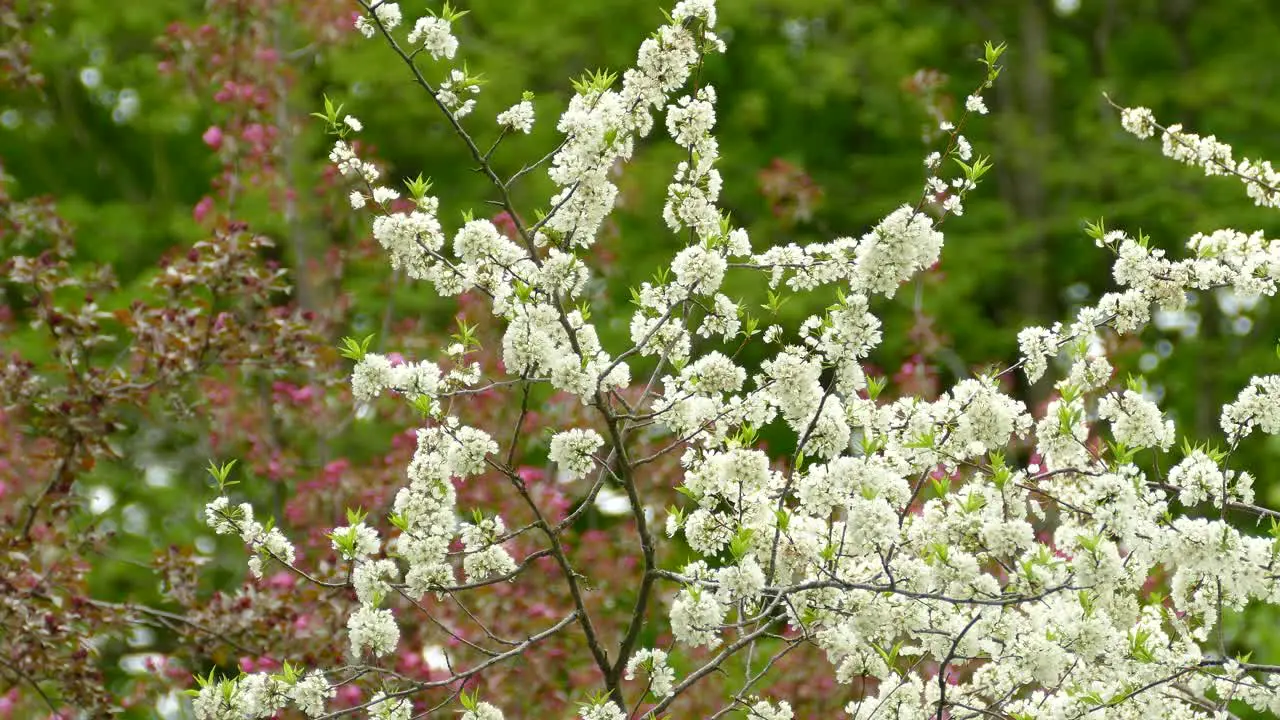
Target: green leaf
x=784, y=520
x=418, y=187
x=1096, y=230
x=596, y=81
x=741, y=543
x=220, y=474
x=353, y=349
x=876, y=386
x=398, y=521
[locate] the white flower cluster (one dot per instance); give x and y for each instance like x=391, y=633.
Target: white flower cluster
x=1261, y=180
x=1136, y=421
x=600, y=125
x=485, y=557
x=900, y=245
x=1139, y=121
x=1257, y=407
x=765, y=710
x=892, y=574
x=382, y=707
x=1038, y=346
x=518, y=117
x=386, y=13
x=1246, y=264
x=372, y=580
x=573, y=451
x=974, y=104
x=261, y=695
x=540, y=340
x=493, y=262
x=374, y=374
x=695, y=188
x=411, y=239
x=266, y=544
x=602, y=711
x=696, y=616
x=453, y=90
x=483, y=711
x=427, y=507
x=361, y=541
x=350, y=165
x=372, y=630
x=1199, y=479
x=436, y=36
x=311, y=693
x=252, y=696
x=654, y=663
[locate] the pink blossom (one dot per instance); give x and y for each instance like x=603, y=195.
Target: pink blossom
x=334, y=469
x=213, y=137
x=282, y=580
x=254, y=133
x=202, y=208
x=349, y=694
x=505, y=224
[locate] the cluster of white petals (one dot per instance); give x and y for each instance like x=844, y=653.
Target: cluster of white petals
x=262, y=695
x=266, y=543
x=654, y=663
x=1261, y=180
x=573, y=451
x=436, y=36
x=518, y=117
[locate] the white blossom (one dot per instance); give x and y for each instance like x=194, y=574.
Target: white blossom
x=483, y=711
x=572, y=451
x=436, y=36
x=696, y=618
x=372, y=629
x=601, y=711
x=1136, y=421
x=518, y=117
x=1257, y=407
x=388, y=13
x=372, y=580
x=901, y=245
x=1038, y=345
x=382, y=707
x=1139, y=121
x=362, y=538
x=654, y=663
x=764, y=710
x=311, y=693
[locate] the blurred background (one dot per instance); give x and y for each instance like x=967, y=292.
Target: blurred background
x=153, y=123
